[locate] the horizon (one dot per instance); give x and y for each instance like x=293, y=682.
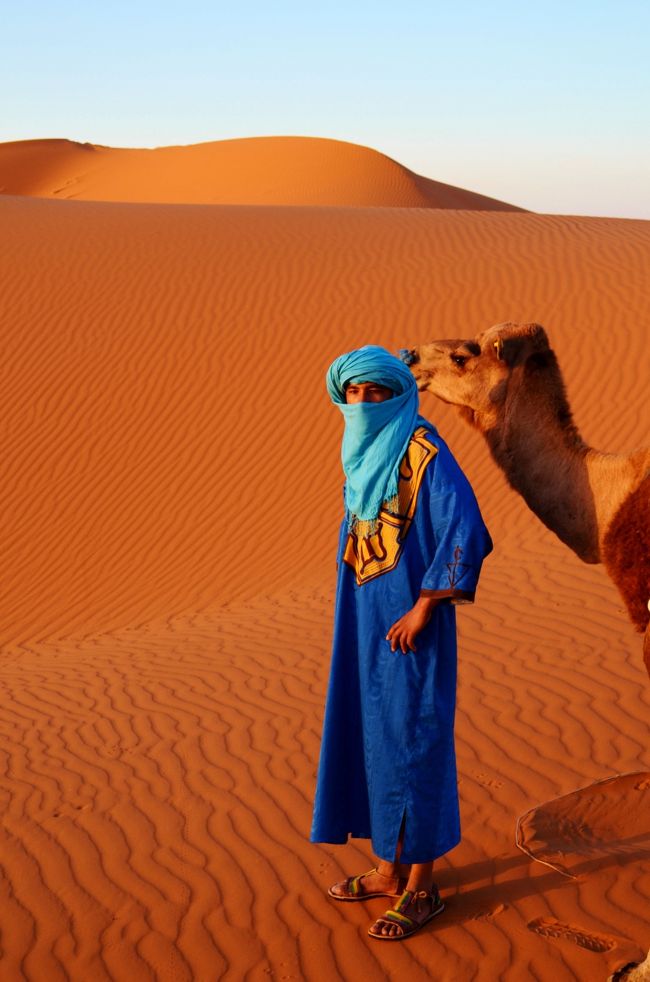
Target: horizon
x=543, y=108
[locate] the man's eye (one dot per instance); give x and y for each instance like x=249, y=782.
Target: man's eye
x=458, y=360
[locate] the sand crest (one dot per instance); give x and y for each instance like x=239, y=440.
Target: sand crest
x=269, y=170
x=580, y=830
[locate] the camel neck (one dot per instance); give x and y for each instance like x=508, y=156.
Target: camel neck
x=545, y=459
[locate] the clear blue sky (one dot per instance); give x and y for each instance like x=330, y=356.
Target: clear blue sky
x=546, y=105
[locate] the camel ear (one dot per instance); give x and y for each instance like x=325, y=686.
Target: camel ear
x=516, y=342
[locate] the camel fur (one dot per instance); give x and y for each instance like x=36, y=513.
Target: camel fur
x=507, y=384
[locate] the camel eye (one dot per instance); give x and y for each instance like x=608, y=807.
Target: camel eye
x=458, y=360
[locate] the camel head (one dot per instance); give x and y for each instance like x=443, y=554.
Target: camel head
x=475, y=374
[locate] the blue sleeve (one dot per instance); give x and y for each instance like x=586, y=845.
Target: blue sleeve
x=461, y=539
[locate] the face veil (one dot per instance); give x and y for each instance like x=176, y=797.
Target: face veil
x=377, y=434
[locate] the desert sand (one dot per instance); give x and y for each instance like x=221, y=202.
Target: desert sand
x=171, y=496
x=272, y=170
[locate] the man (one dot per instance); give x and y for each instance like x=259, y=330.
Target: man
x=411, y=546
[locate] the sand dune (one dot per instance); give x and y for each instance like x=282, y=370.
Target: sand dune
x=171, y=495
x=256, y=171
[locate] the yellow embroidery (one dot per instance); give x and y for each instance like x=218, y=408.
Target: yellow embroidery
x=380, y=553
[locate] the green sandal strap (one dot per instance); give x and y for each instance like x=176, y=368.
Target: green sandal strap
x=395, y=917
x=404, y=900
x=409, y=895
x=354, y=882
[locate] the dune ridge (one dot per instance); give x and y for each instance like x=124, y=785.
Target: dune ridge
x=273, y=170
x=171, y=494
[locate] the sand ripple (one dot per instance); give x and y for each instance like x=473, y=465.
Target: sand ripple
x=171, y=496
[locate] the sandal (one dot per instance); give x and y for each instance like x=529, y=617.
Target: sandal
x=354, y=890
x=398, y=915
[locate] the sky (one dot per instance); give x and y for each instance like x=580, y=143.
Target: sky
x=544, y=105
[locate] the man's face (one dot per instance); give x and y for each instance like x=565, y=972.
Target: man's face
x=367, y=392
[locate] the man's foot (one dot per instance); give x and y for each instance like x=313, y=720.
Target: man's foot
x=367, y=885
x=411, y=912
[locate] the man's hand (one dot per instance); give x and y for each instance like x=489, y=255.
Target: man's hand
x=404, y=631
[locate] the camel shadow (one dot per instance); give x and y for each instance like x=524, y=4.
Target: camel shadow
x=465, y=903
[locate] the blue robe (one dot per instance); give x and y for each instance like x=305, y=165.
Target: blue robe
x=387, y=758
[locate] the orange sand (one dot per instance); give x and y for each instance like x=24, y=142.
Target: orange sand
x=272, y=170
x=170, y=504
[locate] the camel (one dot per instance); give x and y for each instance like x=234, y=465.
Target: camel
x=507, y=384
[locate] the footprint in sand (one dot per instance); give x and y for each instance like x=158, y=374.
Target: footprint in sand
x=281, y=978
x=488, y=782
x=487, y=915
x=566, y=932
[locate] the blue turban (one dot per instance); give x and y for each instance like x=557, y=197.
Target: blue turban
x=377, y=434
